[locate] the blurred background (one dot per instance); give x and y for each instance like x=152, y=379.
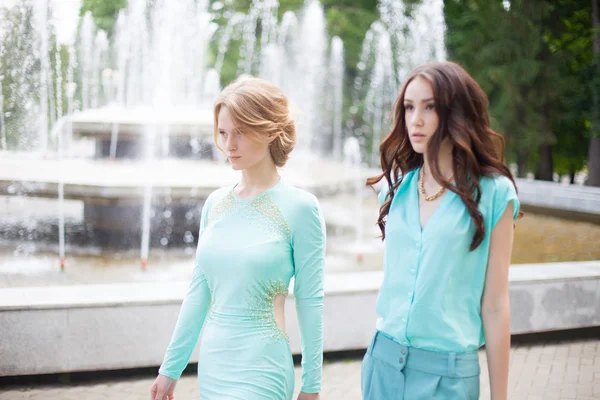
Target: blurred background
x=107, y=156
x=106, y=121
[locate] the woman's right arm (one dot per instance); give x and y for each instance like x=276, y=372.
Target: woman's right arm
x=194, y=309
x=189, y=324
x=193, y=312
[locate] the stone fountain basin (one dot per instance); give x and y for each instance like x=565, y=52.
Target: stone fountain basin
x=113, y=192
x=124, y=181
x=181, y=121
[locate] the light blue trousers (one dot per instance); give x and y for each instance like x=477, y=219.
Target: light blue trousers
x=391, y=371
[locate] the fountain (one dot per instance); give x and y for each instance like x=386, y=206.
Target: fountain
x=129, y=153
x=336, y=83
x=393, y=46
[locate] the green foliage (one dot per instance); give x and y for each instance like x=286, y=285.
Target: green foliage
x=104, y=12
x=570, y=39
x=500, y=61
x=348, y=19
x=351, y=25
x=532, y=61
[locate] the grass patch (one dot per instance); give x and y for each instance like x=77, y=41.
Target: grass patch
x=539, y=239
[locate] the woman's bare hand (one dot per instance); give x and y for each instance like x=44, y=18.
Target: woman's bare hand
x=309, y=396
x=163, y=388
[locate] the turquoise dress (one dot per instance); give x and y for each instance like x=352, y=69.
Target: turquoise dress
x=248, y=251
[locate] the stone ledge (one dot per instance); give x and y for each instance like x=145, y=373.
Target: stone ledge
x=151, y=293
x=561, y=200
x=90, y=327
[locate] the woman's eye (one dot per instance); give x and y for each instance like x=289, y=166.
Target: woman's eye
x=408, y=107
x=430, y=107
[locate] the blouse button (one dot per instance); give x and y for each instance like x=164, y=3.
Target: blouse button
x=412, y=271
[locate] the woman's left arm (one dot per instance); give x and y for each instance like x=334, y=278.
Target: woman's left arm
x=309, y=259
x=495, y=305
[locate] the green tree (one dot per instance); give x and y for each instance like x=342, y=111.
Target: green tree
x=348, y=19
x=501, y=48
x=570, y=40
x=533, y=61
x=594, y=147
x=104, y=12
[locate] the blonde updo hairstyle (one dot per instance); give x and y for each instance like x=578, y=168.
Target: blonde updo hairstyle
x=260, y=110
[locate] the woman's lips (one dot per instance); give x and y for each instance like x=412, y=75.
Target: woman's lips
x=418, y=136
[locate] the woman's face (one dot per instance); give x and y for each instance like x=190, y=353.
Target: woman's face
x=420, y=114
x=242, y=151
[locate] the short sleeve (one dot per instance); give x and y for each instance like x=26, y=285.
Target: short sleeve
x=382, y=195
x=504, y=193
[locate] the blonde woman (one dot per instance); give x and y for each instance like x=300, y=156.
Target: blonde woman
x=254, y=237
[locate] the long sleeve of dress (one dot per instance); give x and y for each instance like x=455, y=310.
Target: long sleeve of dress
x=309, y=257
x=194, y=309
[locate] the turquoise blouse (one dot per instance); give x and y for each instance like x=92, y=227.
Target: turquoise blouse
x=432, y=288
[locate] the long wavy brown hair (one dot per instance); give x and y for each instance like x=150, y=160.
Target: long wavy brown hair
x=462, y=108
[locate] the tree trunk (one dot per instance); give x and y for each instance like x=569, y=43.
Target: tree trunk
x=594, y=162
x=594, y=149
x=545, y=168
x=522, y=163
x=572, y=176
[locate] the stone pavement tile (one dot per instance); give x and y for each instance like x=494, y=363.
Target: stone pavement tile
x=11, y=394
x=590, y=345
x=562, y=376
x=558, y=368
x=596, y=388
x=551, y=394
x=586, y=375
x=588, y=363
x=585, y=391
x=571, y=377
x=568, y=394
x=56, y=392
x=588, y=356
x=38, y=394
x=575, y=349
x=573, y=361
x=103, y=396
x=548, y=354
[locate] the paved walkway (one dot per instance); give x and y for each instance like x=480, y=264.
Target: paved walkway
x=550, y=369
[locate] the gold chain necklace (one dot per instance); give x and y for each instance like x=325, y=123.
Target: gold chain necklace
x=422, y=188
